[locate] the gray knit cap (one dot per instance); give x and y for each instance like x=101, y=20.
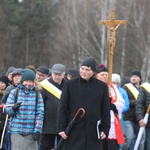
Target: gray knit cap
x=10, y=69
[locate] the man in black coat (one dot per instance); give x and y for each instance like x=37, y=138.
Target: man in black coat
x=49, y=133
x=131, y=126
x=92, y=95
x=141, y=107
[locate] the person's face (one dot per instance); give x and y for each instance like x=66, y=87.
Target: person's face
x=103, y=76
x=16, y=78
x=135, y=79
x=86, y=73
x=70, y=77
x=28, y=83
x=116, y=83
x=113, y=15
x=57, y=77
x=40, y=76
x=10, y=76
x=2, y=85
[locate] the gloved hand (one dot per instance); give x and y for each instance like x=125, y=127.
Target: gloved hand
x=36, y=136
x=113, y=107
x=16, y=106
x=2, y=105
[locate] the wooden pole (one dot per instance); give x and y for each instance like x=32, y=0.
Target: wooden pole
x=3, y=133
x=148, y=109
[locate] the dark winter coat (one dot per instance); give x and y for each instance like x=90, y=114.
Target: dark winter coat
x=50, y=109
x=93, y=96
x=130, y=114
x=3, y=99
x=142, y=104
x=7, y=92
x=2, y=117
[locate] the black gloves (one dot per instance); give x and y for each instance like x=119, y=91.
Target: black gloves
x=36, y=136
x=16, y=106
x=113, y=107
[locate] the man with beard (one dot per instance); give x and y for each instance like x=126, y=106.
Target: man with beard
x=131, y=128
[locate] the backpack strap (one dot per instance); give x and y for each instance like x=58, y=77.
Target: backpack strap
x=16, y=95
x=37, y=96
x=15, y=99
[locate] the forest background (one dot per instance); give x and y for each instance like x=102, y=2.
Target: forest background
x=45, y=32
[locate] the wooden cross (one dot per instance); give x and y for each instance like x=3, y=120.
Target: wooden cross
x=112, y=26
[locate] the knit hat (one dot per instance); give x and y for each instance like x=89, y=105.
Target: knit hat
x=27, y=74
x=73, y=72
x=58, y=68
x=116, y=78
x=101, y=68
x=43, y=69
x=5, y=80
x=10, y=69
x=136, y=72
x=89, y=62
x=17, y=71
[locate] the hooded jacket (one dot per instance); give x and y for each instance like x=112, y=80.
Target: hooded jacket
x=29, y=118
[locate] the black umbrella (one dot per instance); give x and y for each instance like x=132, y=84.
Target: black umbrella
x=79, y=114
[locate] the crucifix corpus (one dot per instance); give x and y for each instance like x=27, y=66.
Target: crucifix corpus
x=112, y=26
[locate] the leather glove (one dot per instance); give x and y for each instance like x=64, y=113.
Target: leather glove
x=16, y=106
x=113, y=107
x=36, y=136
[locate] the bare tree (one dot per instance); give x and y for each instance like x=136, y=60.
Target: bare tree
x=64, y=31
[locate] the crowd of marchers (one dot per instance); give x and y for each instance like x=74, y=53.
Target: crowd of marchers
x=39, y=108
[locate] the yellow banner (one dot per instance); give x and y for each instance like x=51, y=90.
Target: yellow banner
x=51, y=88
x=146, y=86
x=132, y=89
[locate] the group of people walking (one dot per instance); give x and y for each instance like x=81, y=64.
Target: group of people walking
x=39, y=112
